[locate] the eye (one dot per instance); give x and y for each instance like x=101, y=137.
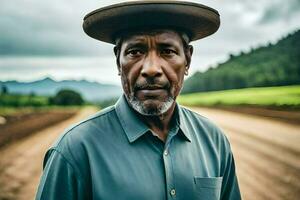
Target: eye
x=168, y=52
x=135, y=52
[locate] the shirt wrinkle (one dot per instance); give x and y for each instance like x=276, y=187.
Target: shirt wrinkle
x=112, y=168
x=67, y=161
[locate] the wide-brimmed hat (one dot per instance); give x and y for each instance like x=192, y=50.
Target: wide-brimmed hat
x=107, y=23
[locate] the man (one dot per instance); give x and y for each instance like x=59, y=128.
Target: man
x=146, y=146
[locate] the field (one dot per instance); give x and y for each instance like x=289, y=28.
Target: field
x=21, y=159
x=19, y=100
x=284, y=97
x=266, y=150
x=16, y=123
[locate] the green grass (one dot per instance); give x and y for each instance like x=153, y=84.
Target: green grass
x=18, y=100
x=7, y=110
x=278, y=97
x=19, y=104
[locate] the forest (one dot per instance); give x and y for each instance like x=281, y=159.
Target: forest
x=270, y=65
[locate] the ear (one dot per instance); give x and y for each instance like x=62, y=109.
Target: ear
x=116, y=50
x=117, y=54
x=189, y=54
x=188, y=57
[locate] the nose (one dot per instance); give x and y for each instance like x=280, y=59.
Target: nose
x=151, y=66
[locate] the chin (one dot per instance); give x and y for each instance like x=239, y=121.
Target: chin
x=151, y=107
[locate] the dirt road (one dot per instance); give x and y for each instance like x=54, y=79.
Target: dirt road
x=267, y=154
x=21, y=162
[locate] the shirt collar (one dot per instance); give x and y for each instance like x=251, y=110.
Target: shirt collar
x=183, y=123
x=134, y=127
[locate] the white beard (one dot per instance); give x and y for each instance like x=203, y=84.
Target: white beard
x=140, y=108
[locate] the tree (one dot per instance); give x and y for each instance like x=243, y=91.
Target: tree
x=4, y=89
x=270, y=65
x=67, y=97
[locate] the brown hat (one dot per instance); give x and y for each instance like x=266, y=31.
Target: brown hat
x=196, y=20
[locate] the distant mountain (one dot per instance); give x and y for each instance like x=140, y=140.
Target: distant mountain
x=271, y=65
x=91, y=91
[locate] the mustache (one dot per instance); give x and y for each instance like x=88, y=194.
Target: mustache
x=151, y=85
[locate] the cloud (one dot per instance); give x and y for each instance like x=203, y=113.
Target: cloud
x=95, y=69
x=53, y=28
x=48, y=27
x=277, y=10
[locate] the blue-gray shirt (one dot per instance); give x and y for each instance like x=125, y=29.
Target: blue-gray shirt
x=114, y=155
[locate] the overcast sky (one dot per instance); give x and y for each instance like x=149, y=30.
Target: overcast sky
x=45, y=38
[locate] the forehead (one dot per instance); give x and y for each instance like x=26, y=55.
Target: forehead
x=160, y=36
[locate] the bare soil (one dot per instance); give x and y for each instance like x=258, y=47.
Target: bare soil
x=21, y=161
x=286, y=115
x=267, y=154
x=21, y=125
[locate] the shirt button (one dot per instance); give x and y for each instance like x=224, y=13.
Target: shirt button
x=166, y=152
x=173, y=192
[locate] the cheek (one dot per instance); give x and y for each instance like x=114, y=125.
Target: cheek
x=175, y=75
x=129, y=74
x=125, y=84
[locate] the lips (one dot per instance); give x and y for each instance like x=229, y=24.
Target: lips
x=151, y=90
x=150, y=87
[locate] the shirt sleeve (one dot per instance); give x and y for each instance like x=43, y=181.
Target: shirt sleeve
x=59, y=179
x=230, y=188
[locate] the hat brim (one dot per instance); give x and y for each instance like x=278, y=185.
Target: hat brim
x=196, y=20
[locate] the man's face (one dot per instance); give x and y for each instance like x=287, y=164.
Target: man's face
x=152, y=68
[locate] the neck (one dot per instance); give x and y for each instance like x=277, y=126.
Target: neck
x=160, y=124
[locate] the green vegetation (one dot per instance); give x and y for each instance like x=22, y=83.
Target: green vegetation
x=271, y=65
x=8, y=110
x=276, y=97
x=18, y=103
x=4, y=89
x=18, y=100
x=66, y=98
x=63, y=97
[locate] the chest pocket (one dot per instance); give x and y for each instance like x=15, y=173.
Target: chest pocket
x=208, y=188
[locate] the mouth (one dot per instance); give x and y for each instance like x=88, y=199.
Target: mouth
x=150, y=87
x=151, y=90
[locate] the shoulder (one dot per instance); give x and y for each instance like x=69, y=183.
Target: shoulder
x=205, y=129
x=72, y=143
x=207, y=135
x=86, y=127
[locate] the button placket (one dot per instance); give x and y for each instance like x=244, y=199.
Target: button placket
x=169, y=174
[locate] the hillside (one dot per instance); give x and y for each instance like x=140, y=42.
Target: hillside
x=91, y=91
x=272, y=65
